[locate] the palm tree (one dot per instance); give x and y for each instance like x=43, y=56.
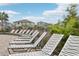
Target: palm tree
x=3, y=19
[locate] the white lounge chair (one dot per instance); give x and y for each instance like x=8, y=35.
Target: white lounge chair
x=16, y=31
x=27, y=31
x=24, y=41
x=24, y=31
x=20, y=32
x=47, y=50
x=12, y=31
x=31, y=32
x=27, y=37
x=71, y=47
x=27, y=46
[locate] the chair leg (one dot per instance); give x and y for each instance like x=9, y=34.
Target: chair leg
x=9, y=50
x=28, y=50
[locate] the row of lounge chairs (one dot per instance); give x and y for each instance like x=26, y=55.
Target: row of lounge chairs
x=24, y=43
x=22, y=31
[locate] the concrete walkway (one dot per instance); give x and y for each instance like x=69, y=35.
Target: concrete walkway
x=4, y=42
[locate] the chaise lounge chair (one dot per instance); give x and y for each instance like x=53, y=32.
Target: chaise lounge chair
x=16, y=31
x=71, y=47
x=31, y=32
x=47, y=50
x=27, y=46
x=24, y=41
x=27, y=37
x=12, y=31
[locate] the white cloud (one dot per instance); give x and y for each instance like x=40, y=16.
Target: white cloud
x=41, y=18
x=34, y=18
x=60, y=10
x=50, y=16
x=5, y=4
x=57, y=14
x=9, y=12
x=78, y=9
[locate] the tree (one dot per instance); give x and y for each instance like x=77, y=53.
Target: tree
x=72, y=14
x=3, y=18
x=68, y=26
x=71, y=20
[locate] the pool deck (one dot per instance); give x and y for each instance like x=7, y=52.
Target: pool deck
x=4, y=42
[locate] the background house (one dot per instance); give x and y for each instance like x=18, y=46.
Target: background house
x=42, y=25
x=24, y=24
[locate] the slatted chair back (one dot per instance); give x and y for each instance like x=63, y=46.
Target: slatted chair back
x=71, y=47
x=34, y=33
x=34, y=36
x=24, y=31
x=27, y=31
x=20, y=31
x=52, y=43
x=31, y=32
x=16, y=31
x=40, y=38
x=12, y=31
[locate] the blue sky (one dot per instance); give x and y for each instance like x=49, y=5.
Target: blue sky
x=46, y=12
